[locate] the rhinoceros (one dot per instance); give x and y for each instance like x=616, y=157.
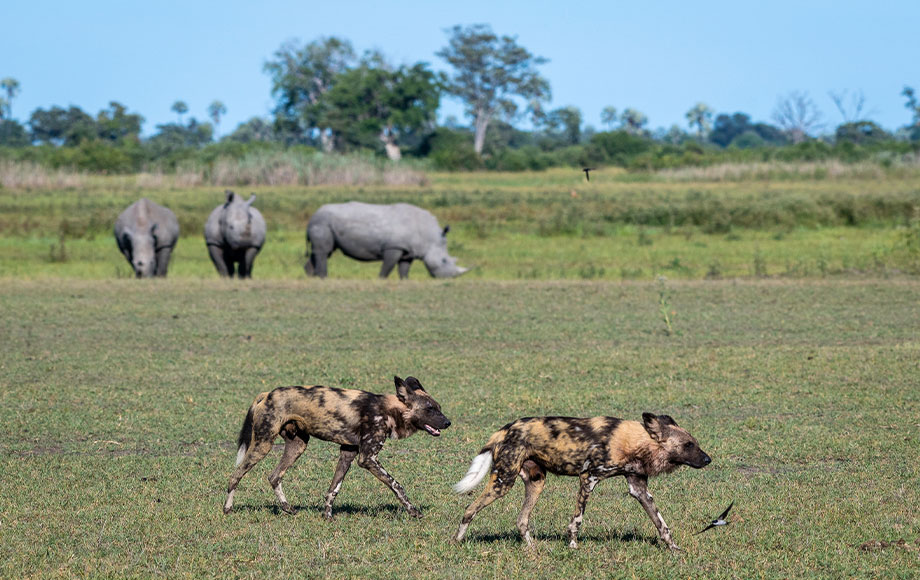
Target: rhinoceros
x=146, y=234
x=396, y=234
x=234, y=233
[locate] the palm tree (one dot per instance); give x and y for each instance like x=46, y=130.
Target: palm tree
x=215, y=111
x=633, y=121
x=11, y=86
x=609, y=116
x=180, y=108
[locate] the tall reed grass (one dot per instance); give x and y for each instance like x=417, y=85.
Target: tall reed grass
x=904, y=166
x=271, y=168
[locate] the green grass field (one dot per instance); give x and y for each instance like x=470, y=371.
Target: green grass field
x=795, y=366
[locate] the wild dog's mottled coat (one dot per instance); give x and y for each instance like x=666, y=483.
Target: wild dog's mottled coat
x=592, y=449
x=359, y=421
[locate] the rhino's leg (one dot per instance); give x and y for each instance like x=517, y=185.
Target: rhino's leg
x=246, y=262
x=404, y=268
x=163, y=255
x=390, y=259
x=220, y=259
x=317, y=264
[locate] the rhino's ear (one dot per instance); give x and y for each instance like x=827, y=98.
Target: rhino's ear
x=446, y=229
x=230, y=195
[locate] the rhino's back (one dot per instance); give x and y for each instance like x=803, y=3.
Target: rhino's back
x=141, y=215
x=364, y=230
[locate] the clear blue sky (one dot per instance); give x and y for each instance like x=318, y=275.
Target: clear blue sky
x=660, y=57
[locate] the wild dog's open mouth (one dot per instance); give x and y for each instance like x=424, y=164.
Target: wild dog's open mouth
x=432, y=430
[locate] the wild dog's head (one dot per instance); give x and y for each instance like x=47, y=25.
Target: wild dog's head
x=679, y=446
x=424, y=413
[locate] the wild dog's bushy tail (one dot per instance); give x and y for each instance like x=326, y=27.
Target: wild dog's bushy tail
x=245, y=436
x=478, y=470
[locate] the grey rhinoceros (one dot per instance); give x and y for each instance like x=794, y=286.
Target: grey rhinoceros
x=146, y=234
x=396, y=234
x=234, y=233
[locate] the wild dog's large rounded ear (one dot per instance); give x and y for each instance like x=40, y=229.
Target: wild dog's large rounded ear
x=657, y=425
x=413, y=384
x=402, y=391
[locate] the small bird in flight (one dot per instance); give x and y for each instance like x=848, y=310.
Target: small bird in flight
x=719, y=521
x=586, y=170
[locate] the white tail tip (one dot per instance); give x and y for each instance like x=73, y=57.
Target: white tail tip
x=241, y=454
x=478, y=470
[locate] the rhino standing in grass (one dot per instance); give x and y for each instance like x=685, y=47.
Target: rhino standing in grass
x=234, y=233
x=146, y=234
x=396, y=234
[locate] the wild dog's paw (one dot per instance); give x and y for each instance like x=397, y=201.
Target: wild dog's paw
x=286, y=508
x=414, y=511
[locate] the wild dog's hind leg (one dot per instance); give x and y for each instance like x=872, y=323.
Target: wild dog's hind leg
x=346, y=456
x=499, y=484
x=587, y=486
x=638, y=488
x=367, y=458
x=254, y=454
x=534, y=478
x=295, y=442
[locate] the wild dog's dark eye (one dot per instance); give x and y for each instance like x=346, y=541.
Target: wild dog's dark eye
x=688, y=445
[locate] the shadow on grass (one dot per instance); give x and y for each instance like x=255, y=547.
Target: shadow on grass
x=344, y=509
x=514, y=536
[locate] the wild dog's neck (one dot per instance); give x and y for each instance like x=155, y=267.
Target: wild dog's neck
x=397, y=417
x=639, y=451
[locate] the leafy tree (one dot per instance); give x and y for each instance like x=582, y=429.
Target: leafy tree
x=253, y=130
x=700, y=116
x=861, y=133
x=374, y=104
x=173, y=138
x=301, y=76
x=633, y=121
x=609, y=116
x=489, y=74
x=115, y=124
x=216, y=110
x=565, y=122
x=728, y=129
x=3, y=107
x=797, y=115
x=59, y=126
x=180, y=108
x=12, y=134
x=11, y=87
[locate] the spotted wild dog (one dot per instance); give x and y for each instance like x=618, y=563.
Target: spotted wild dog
x=358, y=421
x=593, y=449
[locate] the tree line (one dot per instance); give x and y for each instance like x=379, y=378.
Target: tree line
x=328, y=98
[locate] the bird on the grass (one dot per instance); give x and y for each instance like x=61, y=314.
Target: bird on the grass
x=719, y=521
x=586, y=170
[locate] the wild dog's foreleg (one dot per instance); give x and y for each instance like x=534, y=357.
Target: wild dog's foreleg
x=498, y=486
x=638, y=488
x=367, y=458
x=295, y=442
x=534, y=478
x=347, y=455
x=584, y=491
x=254, y=454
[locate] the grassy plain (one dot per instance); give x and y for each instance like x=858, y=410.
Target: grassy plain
x=550, y=225
x=797, y=371
x=121, y=402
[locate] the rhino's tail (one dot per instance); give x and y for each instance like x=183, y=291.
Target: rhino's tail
x=245, y=436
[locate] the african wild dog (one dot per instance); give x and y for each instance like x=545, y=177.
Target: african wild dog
x=357, y=420
x=593, y=449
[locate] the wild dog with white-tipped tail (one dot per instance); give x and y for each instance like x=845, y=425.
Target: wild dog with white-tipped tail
x=592, y=449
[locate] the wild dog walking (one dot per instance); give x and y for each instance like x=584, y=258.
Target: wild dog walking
x=593, y=449
x=358, y=421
